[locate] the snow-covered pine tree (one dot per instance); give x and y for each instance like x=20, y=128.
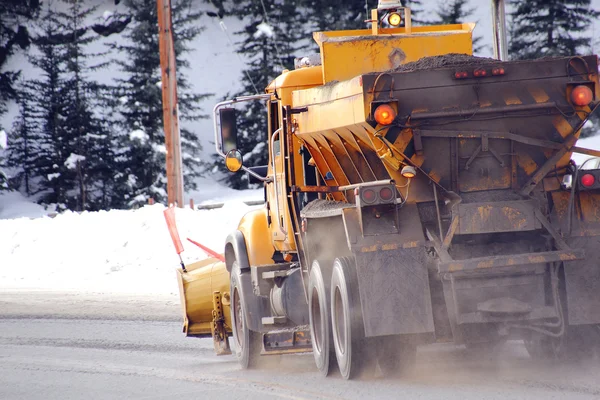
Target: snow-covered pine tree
x=543, y=28
x=142, y=148
x=270, y=38
x=333, y=15
x=48, y=98
x=14, y=14
x=551, y=28
x=23, y=141
x=84, y=147
x=456, y=12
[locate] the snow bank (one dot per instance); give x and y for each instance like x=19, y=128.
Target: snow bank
x=106, y=252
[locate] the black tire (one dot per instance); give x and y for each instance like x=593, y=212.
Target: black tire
x=395, y=356
x=246, y=343
x=346, y=320
x=319, y=310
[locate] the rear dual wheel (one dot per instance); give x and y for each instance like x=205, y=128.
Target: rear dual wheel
x=346, y=319
x=319, y=315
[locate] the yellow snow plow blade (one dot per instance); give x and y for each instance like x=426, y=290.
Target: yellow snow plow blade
x=204, y=293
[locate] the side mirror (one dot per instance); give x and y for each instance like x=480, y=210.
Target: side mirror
x=227, y=120
x=233, y=160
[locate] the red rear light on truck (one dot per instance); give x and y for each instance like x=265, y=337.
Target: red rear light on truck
x=461, y=74
x=368, y=196
x=588, y=180
x=479, y=73
x=386, y=194
x=498, y=71
x=375, y=195
x=582, y=95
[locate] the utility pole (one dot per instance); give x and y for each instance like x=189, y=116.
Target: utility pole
x=170, y=106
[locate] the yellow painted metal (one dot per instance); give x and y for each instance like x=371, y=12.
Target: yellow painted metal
x=257, y=236
x=196, y=289
x=346, y=54
x=325, y=103
x=289, y=81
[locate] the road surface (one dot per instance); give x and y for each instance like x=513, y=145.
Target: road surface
x=76, y=346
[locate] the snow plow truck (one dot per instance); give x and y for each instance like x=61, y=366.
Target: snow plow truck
x=414, y=194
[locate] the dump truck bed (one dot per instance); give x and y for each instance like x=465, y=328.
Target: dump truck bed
x=522, y=120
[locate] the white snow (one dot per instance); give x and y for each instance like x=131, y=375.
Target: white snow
x=72, y=160
x=109, y=252
x=588, y=143
x=139, y=135
x=264, y=29
x=3, y=139
x=53, y=176
x=107, y=14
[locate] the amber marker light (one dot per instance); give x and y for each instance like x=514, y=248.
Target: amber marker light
x=394, y=19
x=582, y=95
x=408, y=171
x=384, y=114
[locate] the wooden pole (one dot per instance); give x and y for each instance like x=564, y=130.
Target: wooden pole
x=170, y=107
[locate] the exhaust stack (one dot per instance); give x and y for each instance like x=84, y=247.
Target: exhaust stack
x=499, y=30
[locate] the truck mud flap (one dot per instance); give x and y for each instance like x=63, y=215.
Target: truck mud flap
x=256, y=306
x=394, y=291
x=583, y=282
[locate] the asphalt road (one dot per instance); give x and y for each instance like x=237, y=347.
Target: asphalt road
x=75, y=346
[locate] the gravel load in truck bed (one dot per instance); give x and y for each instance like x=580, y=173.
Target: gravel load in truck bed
x=447, y=60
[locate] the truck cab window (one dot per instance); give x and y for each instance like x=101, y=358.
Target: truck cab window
x=274, y=125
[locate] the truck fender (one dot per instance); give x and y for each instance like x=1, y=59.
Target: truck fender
x=235, y=249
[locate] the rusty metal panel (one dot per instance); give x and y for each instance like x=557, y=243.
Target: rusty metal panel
x=493, y=217
x=394, y=292
x=511, y=260
x=286, y=342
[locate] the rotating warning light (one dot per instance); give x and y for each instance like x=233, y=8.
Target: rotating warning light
x=394, y=19
x=588, y=180
x=582, y=95
x=384, y=114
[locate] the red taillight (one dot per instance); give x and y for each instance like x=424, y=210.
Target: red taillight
x=498, y=71
x=368, y=196
x=582, y=95
x=479, y=73
x=386, y=194
x=461, y=74
x=384, y=114
x=588, y=180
